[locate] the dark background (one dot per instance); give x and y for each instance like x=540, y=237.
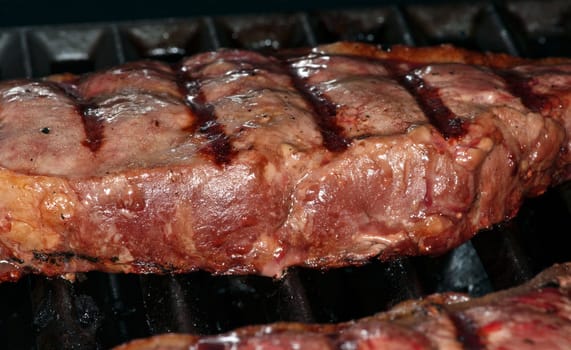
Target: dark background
x=18, y=12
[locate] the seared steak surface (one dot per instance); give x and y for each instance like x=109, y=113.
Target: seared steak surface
x=536, y=315
x=236, y=162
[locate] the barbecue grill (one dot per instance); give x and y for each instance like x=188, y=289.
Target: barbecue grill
x=100, y=310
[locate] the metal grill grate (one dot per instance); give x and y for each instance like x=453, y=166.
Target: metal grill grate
x=101, y=310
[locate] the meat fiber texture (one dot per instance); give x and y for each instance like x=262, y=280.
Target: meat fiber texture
x=235, y=162
x=536, y=315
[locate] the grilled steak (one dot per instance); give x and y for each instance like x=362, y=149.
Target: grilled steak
x=236, y=162
x=536, y=315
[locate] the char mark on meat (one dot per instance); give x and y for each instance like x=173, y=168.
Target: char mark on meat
x=92, y=125
x=522, y=87
x=428, y=99
x=219, y=145
x=325, y=112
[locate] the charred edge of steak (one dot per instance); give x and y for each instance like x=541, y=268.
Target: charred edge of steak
x=63, y=258
x=56, y=258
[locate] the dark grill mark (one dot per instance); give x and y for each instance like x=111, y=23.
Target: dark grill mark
x=67, y=88
x=466, y=331
x=92, y=125
x=219, y=146
x=324, y=115
x=521, y=87
x=429, y=100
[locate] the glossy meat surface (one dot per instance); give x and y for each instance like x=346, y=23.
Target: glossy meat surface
x=236, y=162
x=536, y=315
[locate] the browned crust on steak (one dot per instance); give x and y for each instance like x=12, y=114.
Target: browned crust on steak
x=439, y=54
x=534, y=315
x=235, y=162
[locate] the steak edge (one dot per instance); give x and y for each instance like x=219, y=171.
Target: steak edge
x=536, y=315
x=236, y=162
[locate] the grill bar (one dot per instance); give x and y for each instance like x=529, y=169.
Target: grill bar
x=460, y=270
x=308, y=30
x=64, y=317
x=118, y=45
x=26, y=61
x=121, y=301
x=16, y=316
x=508, y=261
x=506, y=41
x=213, y=36
x=404, y=31
x=293, y=303
x=166, y=307
x=101, y=310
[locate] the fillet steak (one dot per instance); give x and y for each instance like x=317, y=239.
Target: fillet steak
x=536, y=315
x=237, y=162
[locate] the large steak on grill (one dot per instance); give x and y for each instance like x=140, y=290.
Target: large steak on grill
x=236, y=162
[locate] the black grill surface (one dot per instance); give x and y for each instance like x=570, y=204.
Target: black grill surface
x=100, y=310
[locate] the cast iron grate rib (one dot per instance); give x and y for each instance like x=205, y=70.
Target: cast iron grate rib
x=100, y=310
